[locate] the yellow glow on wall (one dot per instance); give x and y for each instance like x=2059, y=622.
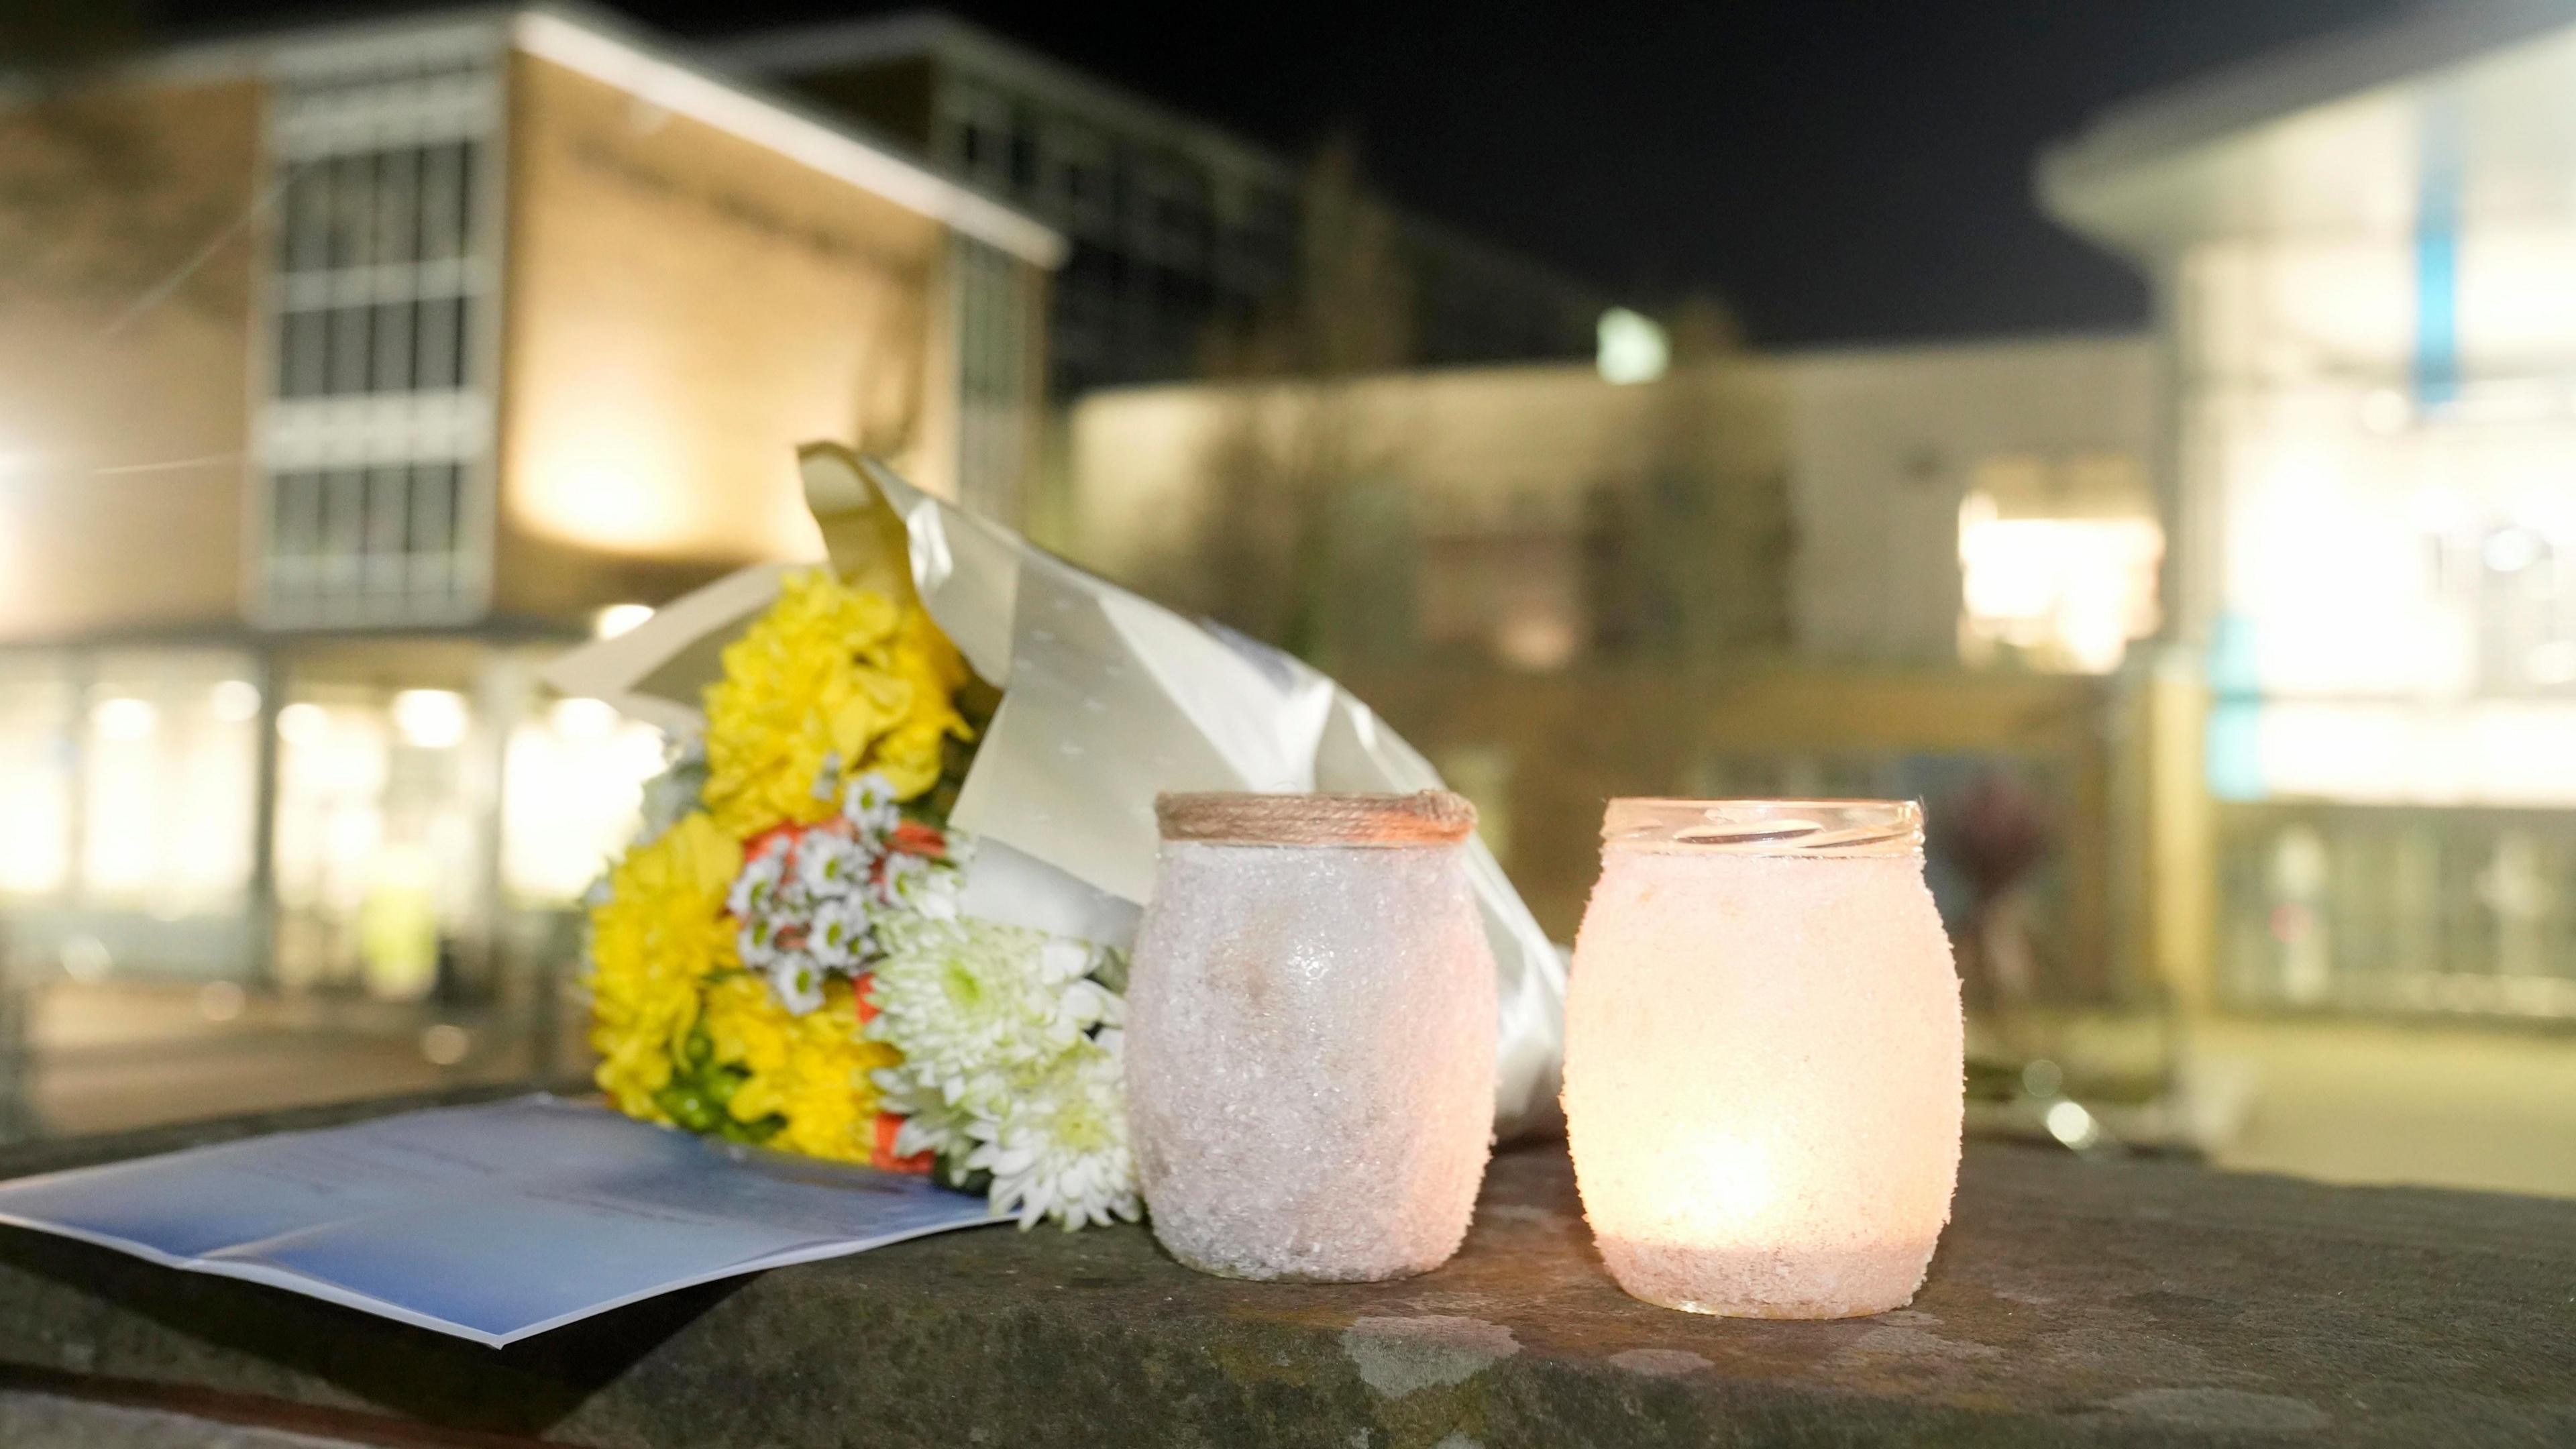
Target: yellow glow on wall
x=607, y=485
x=601, y=472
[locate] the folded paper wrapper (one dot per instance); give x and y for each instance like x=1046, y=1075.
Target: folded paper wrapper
x=1107, y=701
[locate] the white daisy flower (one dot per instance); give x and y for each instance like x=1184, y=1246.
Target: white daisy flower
x=869, y=803
x=1057, y=1146
x=894, y=876
x=828, y=864
x=921, y=885
x=756, y=888
x=842, y=934
x=797, y=981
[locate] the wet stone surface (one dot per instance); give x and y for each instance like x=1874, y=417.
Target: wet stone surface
x=2071, y=1302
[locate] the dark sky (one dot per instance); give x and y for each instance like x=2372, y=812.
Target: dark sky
x=1837, y=169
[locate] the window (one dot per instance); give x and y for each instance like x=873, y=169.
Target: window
x=2058, y=560
x=1073, y=180
x=978, y=135
x=374, y=439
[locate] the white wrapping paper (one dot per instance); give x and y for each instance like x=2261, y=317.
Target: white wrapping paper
x=1107, y=700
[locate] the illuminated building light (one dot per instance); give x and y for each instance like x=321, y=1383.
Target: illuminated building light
x=617, y=619
x=2511, y=550
x=2069, y=592
x=572, y=795
x=444, y=1044
x=124, y=718
x=430, y=719
x=236, y=700
x=303, y=724
x=583, y=719
x=2069, y=1123
x=85, y=959
x=2496, y=752
x=1631, y=348
x=1537, y=641
x=220, y=1001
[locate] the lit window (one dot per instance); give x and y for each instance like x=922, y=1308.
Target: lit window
x=2066, y=592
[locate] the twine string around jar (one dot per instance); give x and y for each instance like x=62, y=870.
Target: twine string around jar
x=1427, y=817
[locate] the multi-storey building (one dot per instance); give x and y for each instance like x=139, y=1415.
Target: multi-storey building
x=1176, y=226
x=393, y=356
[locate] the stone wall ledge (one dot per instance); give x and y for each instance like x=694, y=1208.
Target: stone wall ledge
x=2072, y=1302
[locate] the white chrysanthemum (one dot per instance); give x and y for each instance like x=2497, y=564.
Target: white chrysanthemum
x=930, y=1124
x=1057, y=1147
x=973, y=1005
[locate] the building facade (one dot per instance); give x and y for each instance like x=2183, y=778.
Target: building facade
x=444, y=343
x=1177, y=228
x=2364, y=257
x=1902, y=572
x=1916, y=507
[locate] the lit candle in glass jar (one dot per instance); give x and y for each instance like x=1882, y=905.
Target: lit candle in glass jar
x=1310, y=1035
x=1763, y=1056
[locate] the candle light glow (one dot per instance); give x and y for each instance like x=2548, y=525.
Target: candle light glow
x=1763, y=1057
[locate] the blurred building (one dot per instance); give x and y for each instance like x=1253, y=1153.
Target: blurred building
x=345, y=375
x=1921, y=506
x=1898, y=571
x=1177, y=227
x=2364, y=257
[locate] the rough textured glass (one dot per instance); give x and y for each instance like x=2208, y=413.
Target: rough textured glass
x=1764, y=1057
x=1310, y=1056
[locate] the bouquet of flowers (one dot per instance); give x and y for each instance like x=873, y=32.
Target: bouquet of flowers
x=780, y=958
x=880, y=905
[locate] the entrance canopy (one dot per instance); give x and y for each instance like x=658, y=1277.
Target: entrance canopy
x=2467, y=110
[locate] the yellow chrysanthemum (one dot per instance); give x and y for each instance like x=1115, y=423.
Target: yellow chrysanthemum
x=654, y=941
x=812, y=1070
x=829, y=672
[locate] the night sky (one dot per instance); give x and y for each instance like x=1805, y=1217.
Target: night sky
x=1837, y=170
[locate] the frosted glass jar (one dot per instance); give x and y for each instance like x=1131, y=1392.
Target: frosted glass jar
x=1763, y=1056
x=1310, y=1035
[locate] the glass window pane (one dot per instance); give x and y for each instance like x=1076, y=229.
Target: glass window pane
x=303, y=354
x=352, y=211
x=392, y=371
x=350, y=353
x=442, y=203
x=305, y=219
x=397, y=207
x=441, y=359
